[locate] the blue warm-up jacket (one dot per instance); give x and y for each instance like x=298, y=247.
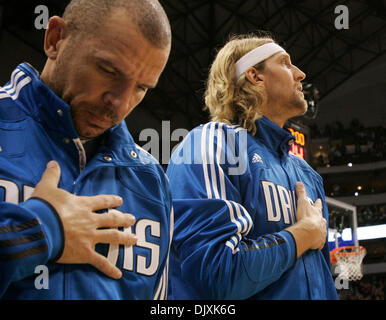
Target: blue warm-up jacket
x=236, y=199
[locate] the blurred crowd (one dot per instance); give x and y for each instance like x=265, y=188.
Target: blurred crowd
x=370, y=287
x=355, y=143
x=350, y=189
x=371, y=215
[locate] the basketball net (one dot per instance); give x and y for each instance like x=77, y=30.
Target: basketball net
x=349, y=262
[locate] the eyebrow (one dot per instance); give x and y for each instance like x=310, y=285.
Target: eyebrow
x=120, y=72
x=284, y=55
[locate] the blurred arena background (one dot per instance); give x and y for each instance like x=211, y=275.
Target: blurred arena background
x=343, y=136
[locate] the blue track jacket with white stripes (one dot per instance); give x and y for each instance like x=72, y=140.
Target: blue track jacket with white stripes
x=36, y=127
x=233, y=196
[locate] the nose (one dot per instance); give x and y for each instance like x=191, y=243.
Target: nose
x=299, y=75
x=119, y=97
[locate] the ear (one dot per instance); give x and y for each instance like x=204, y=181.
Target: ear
x=54, y=36
x=254, y=76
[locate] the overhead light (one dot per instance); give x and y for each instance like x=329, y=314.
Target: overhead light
x=359, y=188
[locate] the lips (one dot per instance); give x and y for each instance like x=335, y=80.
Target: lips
x=300, y=89
x=98, y=121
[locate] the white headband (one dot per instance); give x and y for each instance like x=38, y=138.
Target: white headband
x=255, y=56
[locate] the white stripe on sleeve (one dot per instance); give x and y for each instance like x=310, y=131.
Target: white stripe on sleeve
x=204, y=161
x=241, y=219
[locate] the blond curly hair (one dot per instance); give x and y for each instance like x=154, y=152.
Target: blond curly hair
x=228, y=100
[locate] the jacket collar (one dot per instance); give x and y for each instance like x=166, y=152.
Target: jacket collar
x=274, y=137
x=45, y=106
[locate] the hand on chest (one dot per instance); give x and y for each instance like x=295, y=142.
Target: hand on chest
x=274, y=198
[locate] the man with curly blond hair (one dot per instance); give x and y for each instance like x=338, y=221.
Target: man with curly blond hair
x=250, y=218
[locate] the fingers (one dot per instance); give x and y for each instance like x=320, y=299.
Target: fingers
x=322, y=245
x=302, y=195
x=300, y=191
x=51, y=175
x=101, y=202
x=324, y=235
x=114, y=236
x=318, y=205
x=114, y=218
x=105, y=266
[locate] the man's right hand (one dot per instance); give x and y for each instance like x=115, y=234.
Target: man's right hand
x=83, y=228
x=310, y=230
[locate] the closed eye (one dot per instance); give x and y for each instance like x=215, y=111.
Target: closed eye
x=286, y=62
x=106, y=70
x=142, y=88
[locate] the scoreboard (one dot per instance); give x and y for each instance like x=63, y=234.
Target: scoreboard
x=300, y=147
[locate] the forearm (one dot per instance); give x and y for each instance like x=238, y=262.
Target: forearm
x=309, y=233
x=302, y=234
x=218, y=272
x=30, y=235
x=225, y=264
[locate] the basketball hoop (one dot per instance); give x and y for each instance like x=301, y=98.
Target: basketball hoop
x=349, y=261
